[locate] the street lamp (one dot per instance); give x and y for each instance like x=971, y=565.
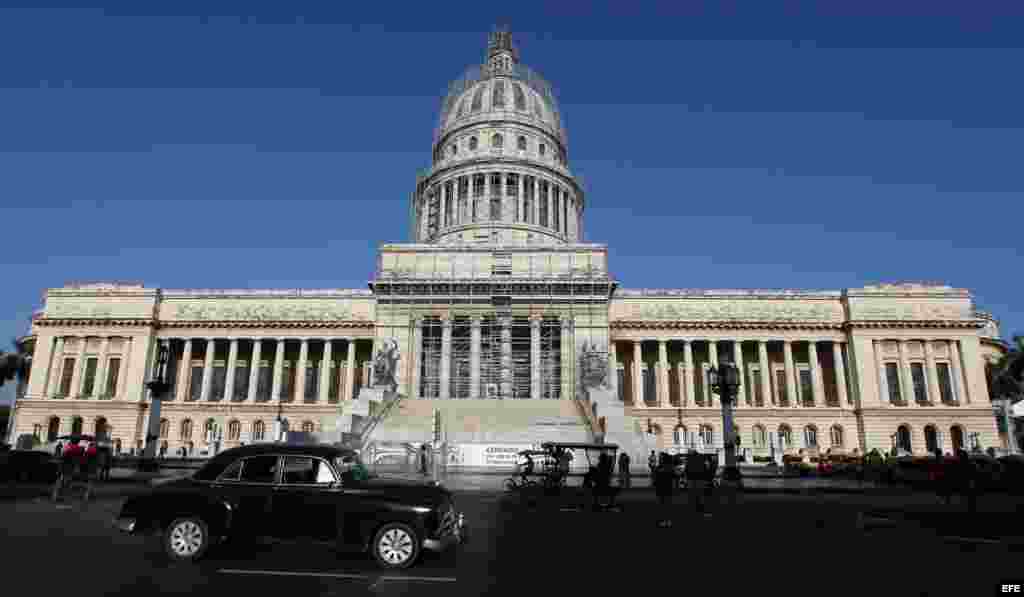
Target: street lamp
x=158, y=387
x=725, y=381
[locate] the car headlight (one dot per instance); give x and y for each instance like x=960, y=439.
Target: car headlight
x=422, y=509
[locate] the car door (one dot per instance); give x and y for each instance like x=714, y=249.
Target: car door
x=305, y=502
x=247, y=485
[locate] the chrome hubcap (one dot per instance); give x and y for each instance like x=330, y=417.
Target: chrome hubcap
x=395, y=546
x=186, y=538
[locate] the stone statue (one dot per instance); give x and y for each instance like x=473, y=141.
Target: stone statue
x=593, y=366
x=385, y=365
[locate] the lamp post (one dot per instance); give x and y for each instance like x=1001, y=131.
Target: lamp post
x=158, y=387
x=725, y=381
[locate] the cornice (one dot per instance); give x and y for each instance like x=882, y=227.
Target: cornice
x=90, y=321
x=568, y=248
x=924, y=323
x=297, y=293
x=729, y=293
x=720, y=325
x=269, y=324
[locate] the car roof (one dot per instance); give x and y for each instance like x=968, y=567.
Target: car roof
x=218, y=463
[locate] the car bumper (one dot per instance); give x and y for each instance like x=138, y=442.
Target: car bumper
x=458, y=536
x=126, y=525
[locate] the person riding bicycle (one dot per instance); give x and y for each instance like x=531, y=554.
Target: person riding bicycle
x=527, y=469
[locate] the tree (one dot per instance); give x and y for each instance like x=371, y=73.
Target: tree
x=14, y=365
x=1007, y=374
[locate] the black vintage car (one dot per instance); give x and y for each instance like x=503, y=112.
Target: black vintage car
x=305, y=493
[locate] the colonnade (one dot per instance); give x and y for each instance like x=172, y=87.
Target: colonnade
x=81, y=368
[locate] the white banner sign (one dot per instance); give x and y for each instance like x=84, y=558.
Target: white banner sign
x=489, y=455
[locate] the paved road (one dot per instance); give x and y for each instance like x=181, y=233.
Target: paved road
x=765, y=543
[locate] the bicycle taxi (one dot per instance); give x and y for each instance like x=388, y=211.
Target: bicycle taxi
x=555, y=484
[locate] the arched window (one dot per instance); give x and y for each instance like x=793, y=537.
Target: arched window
x=786, y=434
x=257, y=430
x=497, y=141
x=707, y=435
x=478, y=99
x=186, y=429
x=520, y=96
x=307, y=426
x=836, y=436
x=234, y=430
x=903, y=438
x=208, y=429
x=931, y=439
x=453, y=149
x=760, y=436
x=100, y=427
x=76, y=426
x=472, y=143
x=165, y=428
x=521, y=143
x=498, y=98
x=810, y=436
x=679, y=435
x=462, y=108
x=543, y=149
x=53, y=429
x=956, y=435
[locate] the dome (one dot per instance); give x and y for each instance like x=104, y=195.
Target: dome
x=516, y=94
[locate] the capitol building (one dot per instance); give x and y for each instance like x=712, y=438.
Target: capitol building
x=500, y=326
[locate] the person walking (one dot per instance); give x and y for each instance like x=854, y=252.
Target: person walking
x=967, y=480
x=652, y=464
x=664, y=484
x=695, y=475
x=423, y=459
x=624, y=480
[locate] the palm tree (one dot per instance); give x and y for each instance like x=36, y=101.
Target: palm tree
x=14, y=365
x=1007, y=374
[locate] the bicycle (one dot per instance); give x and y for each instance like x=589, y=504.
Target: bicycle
x=514, y=484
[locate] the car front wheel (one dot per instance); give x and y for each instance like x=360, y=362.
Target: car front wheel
x=186, y=539
x=395, y=546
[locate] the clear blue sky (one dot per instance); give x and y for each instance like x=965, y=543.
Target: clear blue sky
x=738, y=144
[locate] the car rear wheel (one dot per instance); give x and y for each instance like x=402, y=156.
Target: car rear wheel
x=395, y=546
x=186, y=539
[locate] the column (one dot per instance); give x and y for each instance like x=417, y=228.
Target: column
x=787, y=351
x=551, y=210
x=816, y=376
x=486, y=216
x=506, y=357
x=535, y=220
x=689, y=367
x=325, y=372
x=442, y=210
x=522, y=197
x=766, y=373
x=122, y=379
x=474, y=357
x=535, y=357
x=840, y=369
x=613, y=369
x=350, y=369
x=51, y=385
x=275, y=389
x=229, y=383
x=662, y=373
x=446, y=357
x=713, y=357
x=100, y=387
x=185, y=371
x=883, y=379
x=742, y=395
x=638, y=381
x=568, y=359
x=76, y=375
x=300, y=372
x=416, y=357
x=956, y=371
x=907, y=391
x=254, y=368
x=208, y=370
x=424, y=201
x=932, y=373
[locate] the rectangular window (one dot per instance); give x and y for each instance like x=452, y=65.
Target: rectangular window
x=241, y=389
x=89, y=383
x=945, y=382
x=220, y=375
x=756, y=381
x=512, y=185
x=195, y=386
x=621, y=378
x=699, y=376
x=892, y=378
x=113, y=369
x=288, y=382
x=781, y=392
x=312, y=382
x=264, y=382
x=806, y=387
x=920, y=387
x=650, y=385
x=332, y=387
x=65, y=377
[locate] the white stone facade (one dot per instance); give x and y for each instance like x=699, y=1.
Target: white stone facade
x=511, y=304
